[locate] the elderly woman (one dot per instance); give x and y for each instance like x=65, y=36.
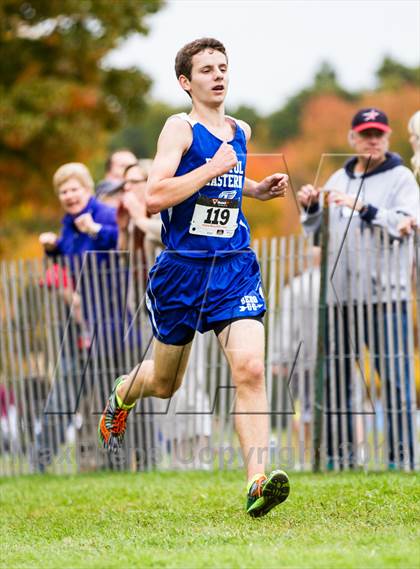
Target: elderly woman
x=88, y=225
x=408, y=224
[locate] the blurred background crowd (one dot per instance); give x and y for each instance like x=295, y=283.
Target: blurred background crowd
x=77, y=138
x=60, y=103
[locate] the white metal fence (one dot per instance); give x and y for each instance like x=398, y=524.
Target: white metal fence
x=68, y=329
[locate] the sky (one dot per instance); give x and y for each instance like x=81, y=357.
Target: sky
x=276, y=46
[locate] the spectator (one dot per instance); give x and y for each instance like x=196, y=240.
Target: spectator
x=99, y=303
x=408, y=224
x=414, y=130
x=296, y=337
x=9, y=422
x=138, y=230
x=88, y=225
x=56, y=277
x=388, y=194
x=115, y=166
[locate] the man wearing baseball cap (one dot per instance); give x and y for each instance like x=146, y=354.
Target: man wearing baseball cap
x=370, y=118
x=372, y=190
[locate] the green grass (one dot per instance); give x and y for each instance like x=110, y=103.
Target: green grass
x=197, y=520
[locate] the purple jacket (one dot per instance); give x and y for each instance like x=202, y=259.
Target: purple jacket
x=73, y=242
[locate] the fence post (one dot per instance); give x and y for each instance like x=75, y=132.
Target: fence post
x=320, y=356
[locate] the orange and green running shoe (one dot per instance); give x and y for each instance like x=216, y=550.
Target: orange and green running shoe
x=266, y=492
x=113, y=421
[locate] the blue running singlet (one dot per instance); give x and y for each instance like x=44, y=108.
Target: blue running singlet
x=211, y=221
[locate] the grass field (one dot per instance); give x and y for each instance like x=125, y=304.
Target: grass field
x=198, y=520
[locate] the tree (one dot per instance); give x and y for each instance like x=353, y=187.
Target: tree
x=392, y=74
x=325, y=81
x=141, y=136
x=285, y=123
x=59, y=101
x=247, y=114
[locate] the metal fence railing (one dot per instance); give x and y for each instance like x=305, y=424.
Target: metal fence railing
x=68, y=328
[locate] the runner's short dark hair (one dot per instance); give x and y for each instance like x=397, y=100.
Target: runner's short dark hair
x=183, y=60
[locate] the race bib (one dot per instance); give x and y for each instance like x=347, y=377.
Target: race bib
x=214, y=217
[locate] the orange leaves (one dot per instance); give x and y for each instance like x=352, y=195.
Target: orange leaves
x=275, y=217
x=83, y=98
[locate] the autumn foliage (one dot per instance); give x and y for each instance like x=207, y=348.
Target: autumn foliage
x=60, y=102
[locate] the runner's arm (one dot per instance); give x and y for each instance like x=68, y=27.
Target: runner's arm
x=249, y=188
x=164, y=190
x=273, y=186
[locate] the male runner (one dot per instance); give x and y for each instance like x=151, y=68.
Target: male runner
x=207, y=278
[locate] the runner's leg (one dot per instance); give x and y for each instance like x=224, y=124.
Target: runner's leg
x=159, y=377
x=243, y=344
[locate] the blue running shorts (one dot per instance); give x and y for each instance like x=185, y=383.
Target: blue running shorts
x=188, y=294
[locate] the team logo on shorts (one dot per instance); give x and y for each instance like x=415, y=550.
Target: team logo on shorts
x=250, y=303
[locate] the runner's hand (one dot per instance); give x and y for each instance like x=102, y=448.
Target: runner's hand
x=274, y=186
x=224, y=160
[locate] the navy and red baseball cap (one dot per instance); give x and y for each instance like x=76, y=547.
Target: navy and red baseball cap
x=370, y=118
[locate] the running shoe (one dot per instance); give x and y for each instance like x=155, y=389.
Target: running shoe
x=266, y=492
x=113, y=422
